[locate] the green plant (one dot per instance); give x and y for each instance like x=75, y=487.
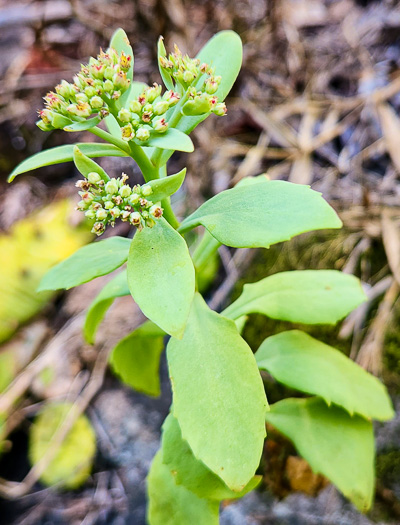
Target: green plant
x=213, y=438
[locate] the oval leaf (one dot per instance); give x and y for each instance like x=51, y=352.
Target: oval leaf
x=73, y=461
x=85, y=165
x=258, y=215
x=300, y=361
x=219, y=398
x=335, y=444
x=65, y=154
x=91, y=261
x=136, y=358
x=161, y=52
x=117, y=287
x=192, y=473
x=170, y=504
x=308, y=296
x=120, y=42
x=161, y=276
x=167, y=186
x=172, y=139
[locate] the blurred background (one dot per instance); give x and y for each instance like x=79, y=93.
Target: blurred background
x=317, y=102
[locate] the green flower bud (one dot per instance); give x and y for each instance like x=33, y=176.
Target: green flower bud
x=112, y=187
x=135, y=106
x=161, y=107
x=133, y=199
x=125, y=62
x=143, y=134
x=44, y=126
x=211, y=86
x=90, y=92
x=93, y=177
x=90, y=214
x=115, y=212
x=108, y=86
x=108, y=205
x=124, y=115
x=147, y=190
x=82, y=205
x=116, y=95
x=65, y=89
x=152, y=93
x=220, y=109
x=101, y=214
x=150, y=223
x=135, y=218
x=81, y=98
x=125, y=191
x=171, y=97
x=97, y=70
x=197, y=106
x=125, y=215
x=160, y=125
x=96, y=102
x=148, y=108
x=109, y=72
x=86, y=196
x=188, y=77
x=59, y=121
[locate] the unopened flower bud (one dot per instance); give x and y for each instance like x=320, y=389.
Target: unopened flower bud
x=82, y=205
x=220, y=109
x=108, y=86
x=116, y=95
x=96, y=102
x=161, y=107
x=44, y=126
x=115, y=212
x=108, y=205
x=125, y=215
x=128, y=133
x=134, y=198
x=81, y=98
x=98, y=228
x=171, y=97
x=156, y=211
x=97, y=70
x=87, y=196
x=109, y=73
x=135, y=218
x=65, y=89
x=143, y=134
x=112, y=187
x=101, y=214
x=188, y=77
x=135, y=106
x=150, y=223
x=93, y=177
x=160, y=125
x=153, y=92
x=211, y=86
x=124, y=115
x=147, y=190
x=90, y=214
x=90, y=92
x=125, y=191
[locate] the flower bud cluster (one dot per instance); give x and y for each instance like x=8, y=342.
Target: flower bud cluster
x=98, y=83
x=146, y=113
x=115, y=199
x=186, y=72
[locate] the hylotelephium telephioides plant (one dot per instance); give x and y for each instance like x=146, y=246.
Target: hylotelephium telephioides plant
x=213, y=437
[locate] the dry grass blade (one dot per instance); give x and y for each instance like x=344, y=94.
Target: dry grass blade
x=391, y=242
x=390, y=124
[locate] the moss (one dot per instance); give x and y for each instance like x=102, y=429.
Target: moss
x=388, y=467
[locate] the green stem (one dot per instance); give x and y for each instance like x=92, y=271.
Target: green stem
x=110, y=138
x=206, y=248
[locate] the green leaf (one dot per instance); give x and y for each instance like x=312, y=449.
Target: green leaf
x=120, y=42
x=73, y=461
x=135, y=90
x=84, y=125
x=113, y=126
x=161, y=276
x=89, y=262
x=219, y=398
x=192, y=473
x=161, y=52
x=166, y=186
x=335, y=444
x=117, y=287
x=85, y=165
x=300, y=361
x=172, y=139
x=307, y=296
x=136, y=358
x=170, y=504
x=258, y=215
x=65, y=154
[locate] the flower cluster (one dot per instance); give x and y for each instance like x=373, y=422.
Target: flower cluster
x=146, y=113
x=107, y=201
x=98, y=83
x=186, y=73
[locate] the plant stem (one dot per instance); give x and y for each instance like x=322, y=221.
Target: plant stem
x=102, y=134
